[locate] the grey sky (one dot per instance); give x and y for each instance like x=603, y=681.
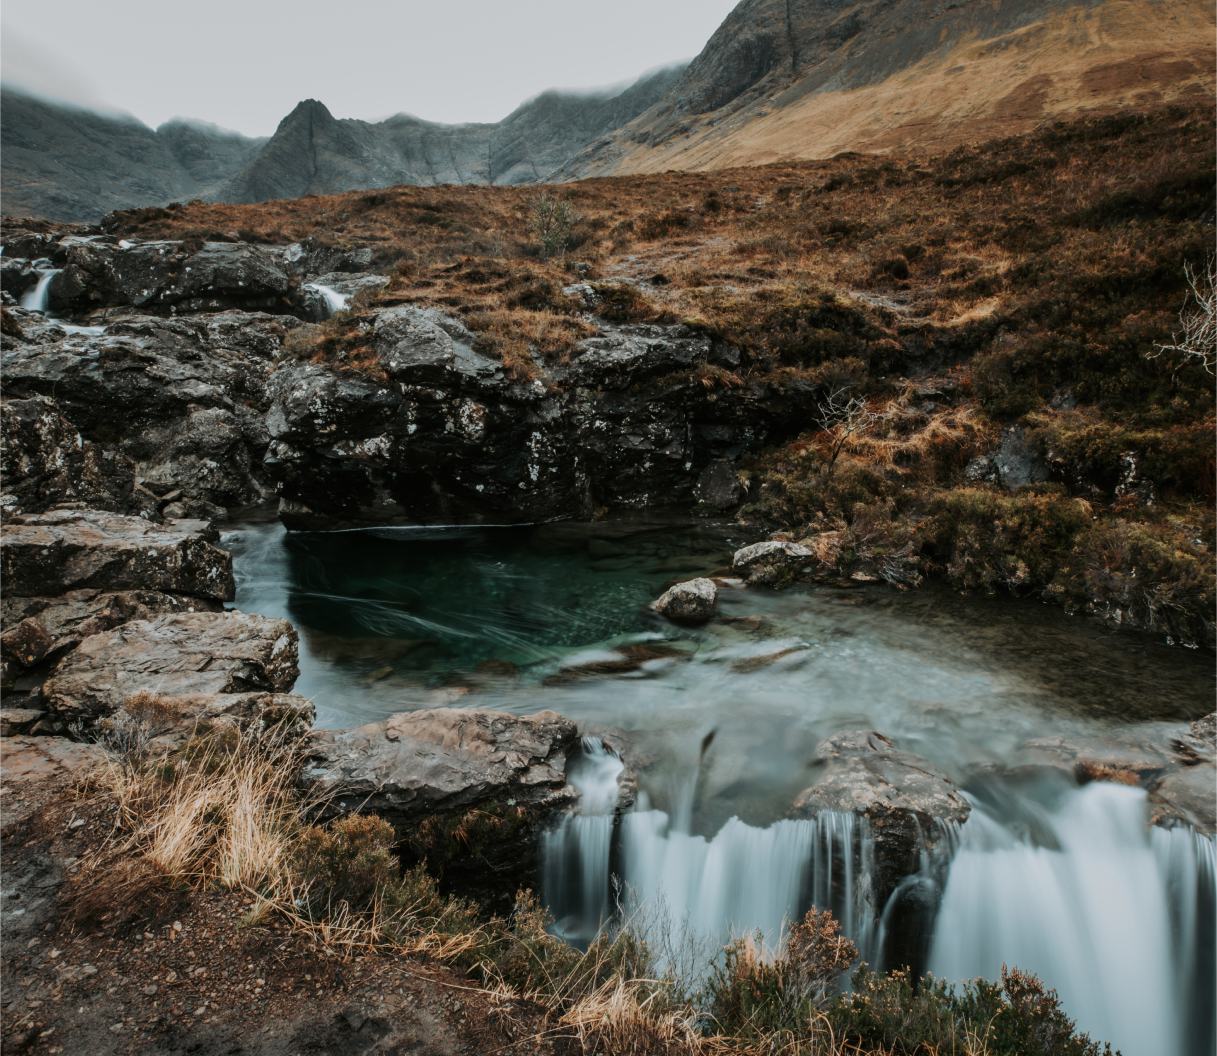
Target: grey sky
x=243, y=64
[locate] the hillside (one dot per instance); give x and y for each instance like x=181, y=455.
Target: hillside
x=997, y=307
x=790, y=79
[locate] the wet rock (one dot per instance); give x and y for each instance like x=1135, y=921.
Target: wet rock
x=499, y=778
x=718, y=487
x=43, y=554
x=174, y=276
x=692, y=602
x=623, y=660
x=1184, y=795
x=182, y=386
x=46, y=462
x=17, y=276
x=186, y=654
x=772, y=563
x=323, y=295
x=908, y=804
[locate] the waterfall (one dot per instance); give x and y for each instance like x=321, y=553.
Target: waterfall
x=334, y=301
x=1080, y=893
x=576, y=854
x=35, y=300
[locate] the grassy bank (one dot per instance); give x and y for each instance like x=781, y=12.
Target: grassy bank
x=220, y=816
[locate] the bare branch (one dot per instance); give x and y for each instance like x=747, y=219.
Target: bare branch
x=844, y=417
x=1198, y=341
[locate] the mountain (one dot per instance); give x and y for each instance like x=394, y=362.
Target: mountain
x=802, y=79
x=313, y=152
x=68, y=163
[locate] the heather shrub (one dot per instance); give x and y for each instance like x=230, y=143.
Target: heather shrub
x=349, y=862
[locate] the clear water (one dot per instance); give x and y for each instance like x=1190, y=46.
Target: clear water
x=722, y=723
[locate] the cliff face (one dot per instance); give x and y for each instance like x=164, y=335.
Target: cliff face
x=796, y=79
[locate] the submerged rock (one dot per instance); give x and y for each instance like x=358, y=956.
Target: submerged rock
x=43, y=554
x=909, y=804
x=772, y=563
x=692, y=602
x=186, y=654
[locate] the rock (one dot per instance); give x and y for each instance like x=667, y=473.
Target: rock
x=186, y=654
x=80, y=613
x=692, y=602
x=170, y=276
x=412, y=765
x=192, y=393
x=46, y=461
x=25, y=644
x=167, y=721
x=15, y=721
x=1014, y=464
x=908, y=804
x=1184, y=795
x=35, y=769
x=495, y=779
x=718, y=487
x=44, y=554
x=772, y=563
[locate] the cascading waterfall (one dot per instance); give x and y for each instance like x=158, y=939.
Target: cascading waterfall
x=334, y=301
x=686, y=892
x=576, y=853
x=36, y=300
x=1080, y=893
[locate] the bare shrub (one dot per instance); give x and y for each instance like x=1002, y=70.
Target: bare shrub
x=843, y=417
x=1197, y=341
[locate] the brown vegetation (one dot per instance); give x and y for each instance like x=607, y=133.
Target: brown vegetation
x=1027, y=282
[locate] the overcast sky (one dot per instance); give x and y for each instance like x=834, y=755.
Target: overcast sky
x=244, y=64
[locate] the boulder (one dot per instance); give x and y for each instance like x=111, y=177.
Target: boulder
x=43, y=554
x=469, y=791
x=185, y=654
x=67, y=618
x=718, y=487
x=909, y=805
x=36, y=769
x=773, y=563
x=172, y=276
x=46, y=462
x=692, y=602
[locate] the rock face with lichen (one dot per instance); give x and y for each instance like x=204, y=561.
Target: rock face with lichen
x=693, y=602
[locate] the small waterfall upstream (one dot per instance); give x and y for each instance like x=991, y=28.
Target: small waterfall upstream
x=36, y=299
x=1077, y=888
x=333, y=300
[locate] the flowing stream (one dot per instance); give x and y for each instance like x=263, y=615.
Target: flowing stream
x=721, y=724
x=37, y=299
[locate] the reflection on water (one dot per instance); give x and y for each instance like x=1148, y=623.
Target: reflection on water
x=555, y=616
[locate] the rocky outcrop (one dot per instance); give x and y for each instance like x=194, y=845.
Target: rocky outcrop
x=179, y=655
x=162, y=722
x=43, y=554
x=172, y=277
x=178, y=404
x=438, y=431
x=772, y=563
x=909, y=805
x=46, y=462
x=692, y=602
x=497, y=778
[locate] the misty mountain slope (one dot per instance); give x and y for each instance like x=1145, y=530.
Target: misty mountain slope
x=313, y=152
x=72, y=164
x=792, y=79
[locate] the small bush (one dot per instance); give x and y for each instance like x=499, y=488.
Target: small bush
x=552, y=223
x=351, y=861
